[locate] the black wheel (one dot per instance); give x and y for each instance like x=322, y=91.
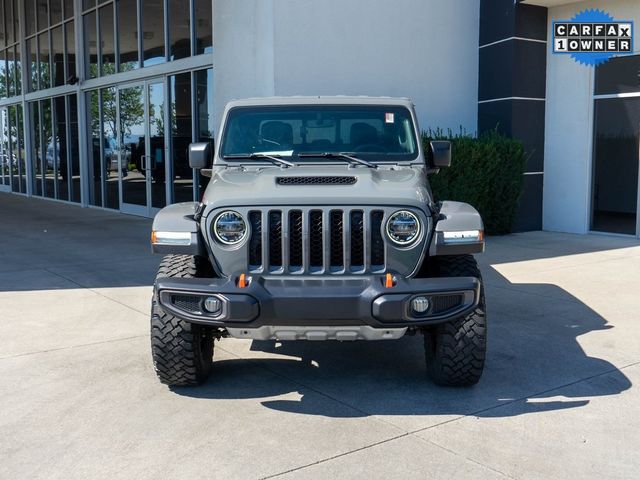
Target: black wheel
x=456, y=350
x=182, y=351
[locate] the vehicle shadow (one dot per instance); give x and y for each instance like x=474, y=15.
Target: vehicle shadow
x=535, y=363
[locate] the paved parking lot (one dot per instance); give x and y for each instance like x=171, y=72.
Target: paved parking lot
x=79, y=398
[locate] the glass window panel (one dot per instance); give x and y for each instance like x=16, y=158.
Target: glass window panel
x=44, y=67
x=90, y=45
x=42, y=9
x=204, y=28
x=47, y=147
x=108, y=146
x=57, y=55
x=30, y=17
x=68, y=9
x=88, y=4
x=619, y=75
x=132, y=144
x=5, y=160
x=36, y=149
x=108, y=61
x=32, y=51
x=152, y=32
x=55, y=9
x=18, y=70
x=181, y=136
x=71, y=50
x=127, y=35
x=179, y=29
x=59, y=147
x=204, y=114
x=3, y=74
x=8, y=22
x=74, y=149
x=94, y=169
x=9, y=53
x=18, y=177
x=156, y=152
x=16, y=23
x=2, y=26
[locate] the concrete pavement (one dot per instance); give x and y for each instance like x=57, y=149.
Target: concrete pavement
x=79, y=398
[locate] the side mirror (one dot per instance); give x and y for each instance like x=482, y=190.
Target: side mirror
x=440, y=153
x=200, y=155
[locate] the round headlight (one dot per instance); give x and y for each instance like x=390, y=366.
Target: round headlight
x=229, y=227
x=403, y=227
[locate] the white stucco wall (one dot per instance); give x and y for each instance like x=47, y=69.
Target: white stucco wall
x=569, y=126
x=423, y=49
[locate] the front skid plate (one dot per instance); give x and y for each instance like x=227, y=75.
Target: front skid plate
x=360, y=332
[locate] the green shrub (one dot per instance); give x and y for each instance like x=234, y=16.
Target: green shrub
x=486, y=172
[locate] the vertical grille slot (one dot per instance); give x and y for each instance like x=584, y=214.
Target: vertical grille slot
x=336, y=257
x=357, y=239
x=255, y=242
x=377, y=243
x=315, y=239
x=275, y=239
x=295, y=238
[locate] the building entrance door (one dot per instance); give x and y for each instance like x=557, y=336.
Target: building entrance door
x=616, y=161
x=142, y=165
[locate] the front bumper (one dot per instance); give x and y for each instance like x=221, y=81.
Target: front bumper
x=314, y=301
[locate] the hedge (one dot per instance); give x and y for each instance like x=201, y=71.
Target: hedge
x=486, y=172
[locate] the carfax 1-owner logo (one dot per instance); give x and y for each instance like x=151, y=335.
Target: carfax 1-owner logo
x=592, y=37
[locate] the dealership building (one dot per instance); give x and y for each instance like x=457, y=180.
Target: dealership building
x=100, y=98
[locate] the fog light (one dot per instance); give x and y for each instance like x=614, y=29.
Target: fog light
x=420, y=304
x=212, y=305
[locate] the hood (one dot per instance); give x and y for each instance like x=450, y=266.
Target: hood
x=267, y=185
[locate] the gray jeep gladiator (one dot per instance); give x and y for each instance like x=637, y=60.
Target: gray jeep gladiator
x=318, y=223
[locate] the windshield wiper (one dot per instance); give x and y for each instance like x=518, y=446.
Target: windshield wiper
x=274, y=158
x=346, y=156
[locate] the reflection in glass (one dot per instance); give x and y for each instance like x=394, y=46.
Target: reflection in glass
x=203, y=27
x=181, y=134
x=16, y=150
x=179, y=29
x=619, y=75
x=152, y=32
x=3, y=74
x=57, y=56
x=8, y=17
x=615, y=174
x=44, y=67
x=204, y=114
x=108, y=146
x=90, y=45
x=46, y=135
x=68, y=9
x=58, y=148
x=5, y=149
x=18, y=68
x=11, y=72
x=32, y=49
x=94, y=162
x=55, y=7
x=43, y=15
x=74, y=149
x=127, y=35
x=155, y=161
x=30, y=16
x=71, y=50
x=132, y=140
x=36, y=147
x=108, y=52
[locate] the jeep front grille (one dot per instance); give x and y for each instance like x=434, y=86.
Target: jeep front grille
x=329, y=240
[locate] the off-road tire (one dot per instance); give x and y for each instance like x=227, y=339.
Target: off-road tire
x=456, y=350
x=182, y=351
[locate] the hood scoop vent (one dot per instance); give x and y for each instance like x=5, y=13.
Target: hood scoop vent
x=317, y=180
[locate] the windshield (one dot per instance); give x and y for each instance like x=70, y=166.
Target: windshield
x=374, y=132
